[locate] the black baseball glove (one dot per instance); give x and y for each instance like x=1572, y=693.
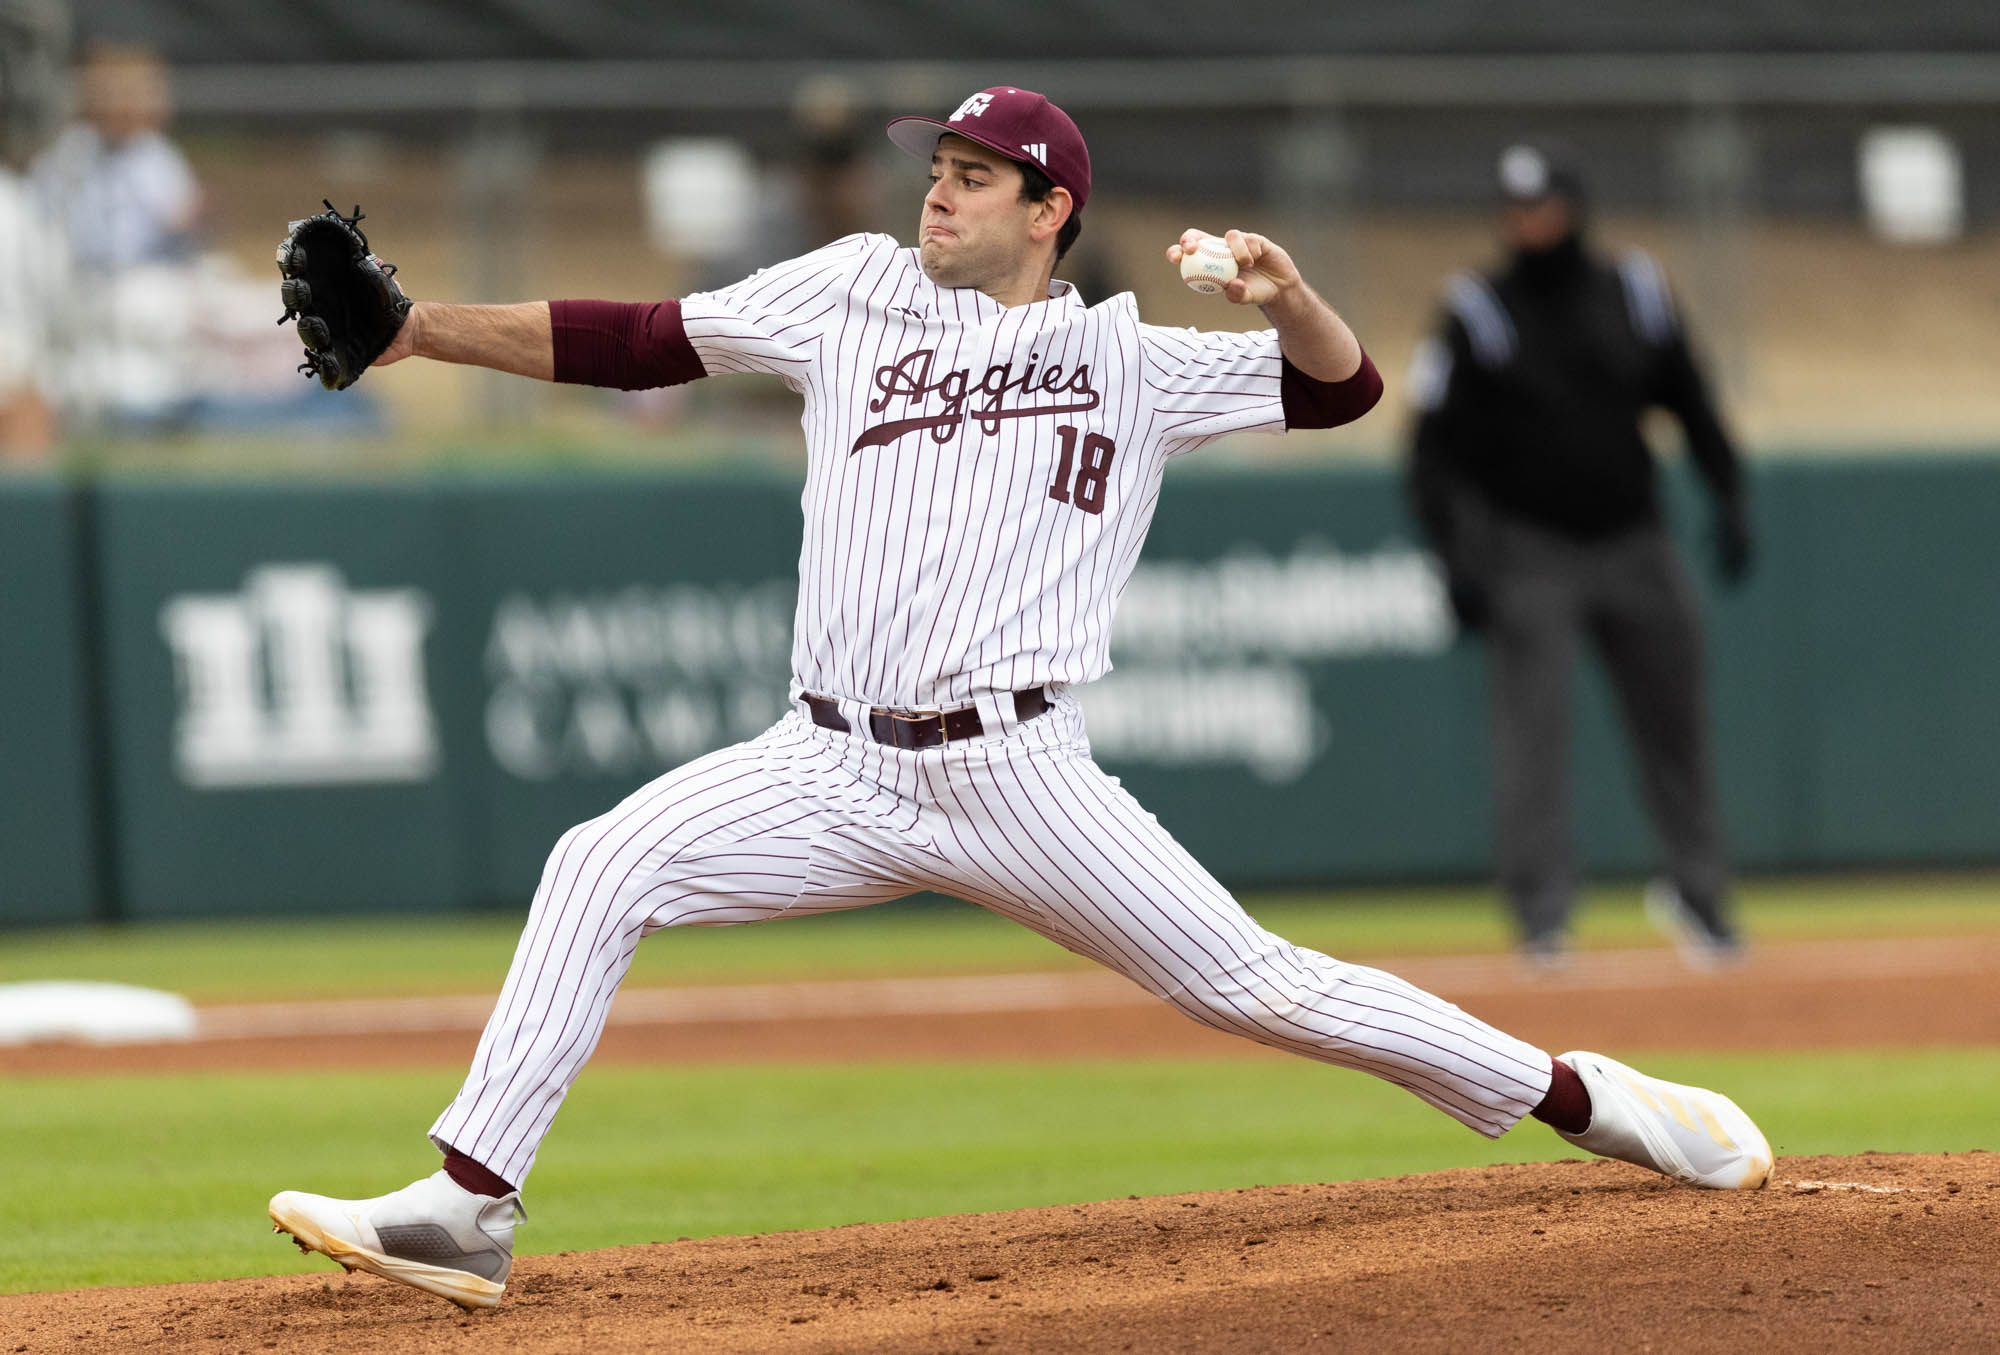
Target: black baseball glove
x=345, y=299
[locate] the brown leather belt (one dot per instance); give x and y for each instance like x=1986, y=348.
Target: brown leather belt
x=923, y=729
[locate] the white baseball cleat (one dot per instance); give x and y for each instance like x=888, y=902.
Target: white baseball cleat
x=432, y=1235
x=1690, y=1134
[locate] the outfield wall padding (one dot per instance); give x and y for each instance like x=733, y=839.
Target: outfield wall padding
x=48, y=851
x=396, y=697
x=268, y=753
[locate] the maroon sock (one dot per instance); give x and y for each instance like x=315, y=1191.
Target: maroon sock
x=1567, y=1106
x=476, y=1178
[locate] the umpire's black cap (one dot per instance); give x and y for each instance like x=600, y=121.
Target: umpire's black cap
x=1530, y=171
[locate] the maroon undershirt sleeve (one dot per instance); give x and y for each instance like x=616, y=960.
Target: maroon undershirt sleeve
x=1312, y=403
x=625, y=345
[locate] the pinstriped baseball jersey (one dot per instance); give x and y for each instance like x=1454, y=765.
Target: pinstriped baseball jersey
x=979, y=482
x=979, y=477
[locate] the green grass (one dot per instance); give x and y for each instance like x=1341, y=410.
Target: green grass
x=144, y=1179
x=112, y=1180
x=247, y=960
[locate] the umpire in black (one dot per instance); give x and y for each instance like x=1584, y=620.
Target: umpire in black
x=1535, y=486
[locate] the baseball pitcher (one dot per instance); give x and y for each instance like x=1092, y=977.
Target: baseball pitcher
x=985, y=453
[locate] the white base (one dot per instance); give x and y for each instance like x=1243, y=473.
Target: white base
x=95, y=1013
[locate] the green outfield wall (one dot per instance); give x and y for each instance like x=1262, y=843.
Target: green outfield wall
x=272, y=698
x=48, y=848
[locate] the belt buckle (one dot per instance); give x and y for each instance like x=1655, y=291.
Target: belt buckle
x=912, y=718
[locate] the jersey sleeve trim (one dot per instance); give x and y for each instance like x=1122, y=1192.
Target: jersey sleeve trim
x=624, y=345
x=1313, y=403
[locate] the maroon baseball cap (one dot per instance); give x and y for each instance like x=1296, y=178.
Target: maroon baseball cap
x=1017, y=123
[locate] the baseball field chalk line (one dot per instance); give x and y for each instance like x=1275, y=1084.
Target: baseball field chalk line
x=1812, y=1187
x=977, y=993
x=1456, y=976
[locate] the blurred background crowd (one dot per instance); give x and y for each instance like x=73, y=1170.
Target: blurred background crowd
x=1821, y=182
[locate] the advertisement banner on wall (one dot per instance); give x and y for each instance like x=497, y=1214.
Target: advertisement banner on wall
x=364, y=698
x=272, y=666
x=1243, y=708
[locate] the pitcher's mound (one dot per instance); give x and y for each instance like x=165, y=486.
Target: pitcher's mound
x=1877, y=1252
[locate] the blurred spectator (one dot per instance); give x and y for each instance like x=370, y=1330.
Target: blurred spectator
x=163, y=336
x=829, y=185
x=824, y=184
x=34, y=270
x=127, y=203
x=1534, y=483
x=122, y=190
x=839, y=187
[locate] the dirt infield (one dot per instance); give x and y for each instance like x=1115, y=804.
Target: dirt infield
x=1882, y=1253
x=1844, y=994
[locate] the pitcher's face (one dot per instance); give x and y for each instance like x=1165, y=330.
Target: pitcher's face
x=975, y=230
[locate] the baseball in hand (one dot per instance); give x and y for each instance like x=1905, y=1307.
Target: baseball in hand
x=1209, y=266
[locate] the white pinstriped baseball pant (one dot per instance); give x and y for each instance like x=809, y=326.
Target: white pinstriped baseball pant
x=807, y=820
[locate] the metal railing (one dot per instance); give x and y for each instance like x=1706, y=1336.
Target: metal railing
x=1797, y=80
